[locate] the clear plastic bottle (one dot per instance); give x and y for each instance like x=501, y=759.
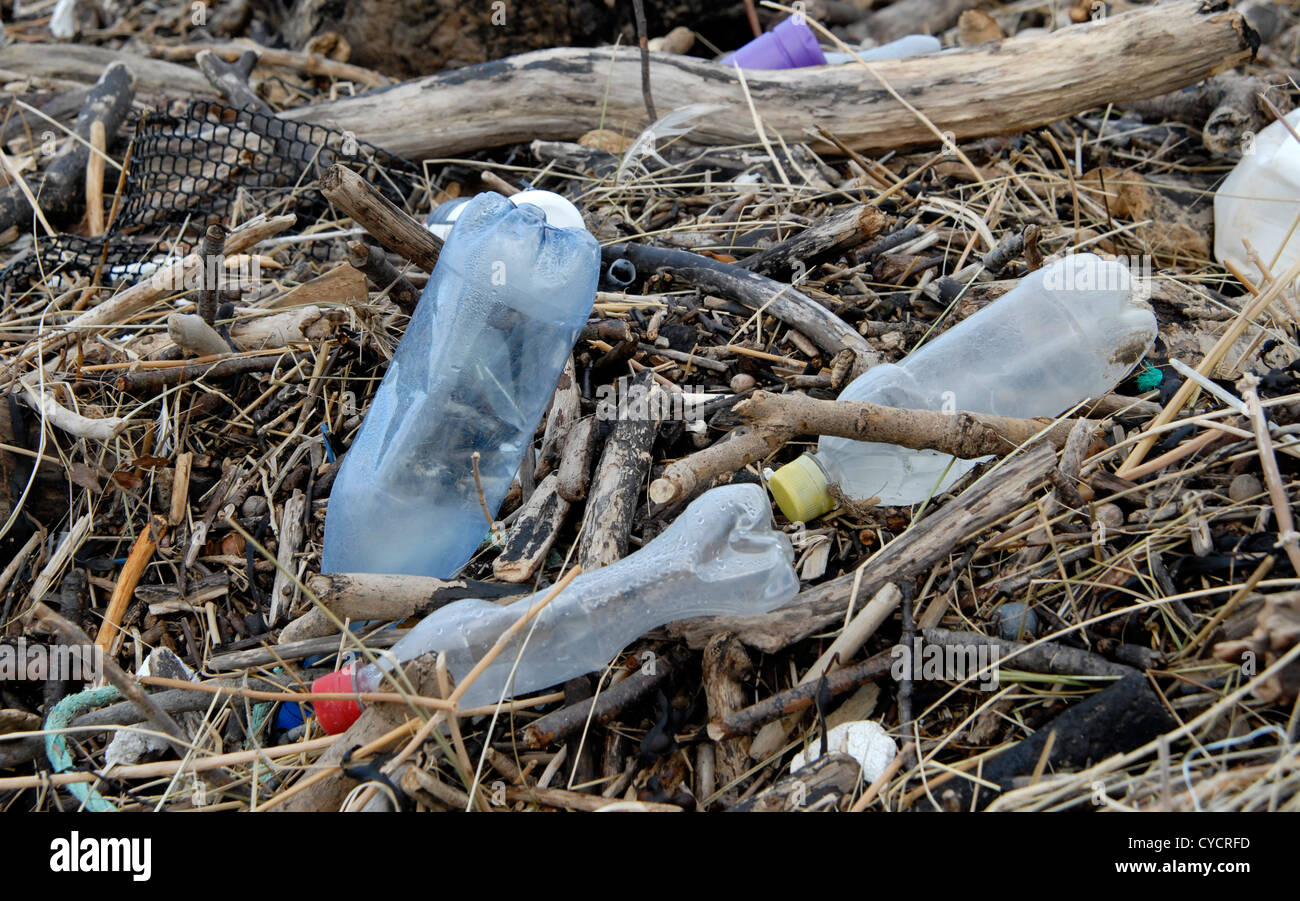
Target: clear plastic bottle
x=474, y=372
x=1260, y=201
x=1067, y=332
x=721, y=556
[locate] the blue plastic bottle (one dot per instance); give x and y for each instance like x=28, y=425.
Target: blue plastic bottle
x=474, y=372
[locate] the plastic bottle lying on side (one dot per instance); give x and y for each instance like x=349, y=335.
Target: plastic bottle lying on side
x=1067, y=332
x=1260, y=201
x=720, y=556
x=901, y=48
x=473, y=373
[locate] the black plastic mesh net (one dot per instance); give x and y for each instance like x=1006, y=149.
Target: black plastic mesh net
x=209, y=164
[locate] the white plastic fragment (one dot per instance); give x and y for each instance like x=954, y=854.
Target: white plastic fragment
x=130, y=747
x=866, y=741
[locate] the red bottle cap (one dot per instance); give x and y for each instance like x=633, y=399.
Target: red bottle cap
x=335, y=716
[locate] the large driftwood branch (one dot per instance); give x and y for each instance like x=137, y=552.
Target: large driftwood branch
x=1011, y=86
x=71, y=63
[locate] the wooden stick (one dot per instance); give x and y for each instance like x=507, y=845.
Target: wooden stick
x=383, y=275
x=560, y=724
x=1287, y=537
x=192, y=333
x=69, y=546
x=311, y=63
x=755, y=291
x=847, y=229
x=290, y=537
x=533, y=533
x=231, y=79
x=725, y=664
x=737, y=450
x=1014, y=85
x=136, y=563
x=607, y=521
x=365, y=596
x=376, y=214
x=962, y=434
x=180, y=488
x=779, y=417
x=799, y=698
x=95, y=179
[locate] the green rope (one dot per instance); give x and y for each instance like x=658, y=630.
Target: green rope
x=56, y=746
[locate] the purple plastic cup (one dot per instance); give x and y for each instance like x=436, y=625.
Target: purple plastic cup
x=790, y=45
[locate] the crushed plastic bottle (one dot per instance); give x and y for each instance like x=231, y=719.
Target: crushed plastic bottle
x=1260, y=201
x=473, y=373
x=1067, y=332
x=720, y=556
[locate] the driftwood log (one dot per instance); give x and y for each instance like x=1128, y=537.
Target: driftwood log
x=83, y=63
x=1010, y=86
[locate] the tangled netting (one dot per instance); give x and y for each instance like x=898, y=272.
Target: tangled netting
x=211, y=163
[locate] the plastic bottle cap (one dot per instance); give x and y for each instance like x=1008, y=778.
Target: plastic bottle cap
x=560, y=213
x=336, y=716
x=800, y=490
x=790, y=45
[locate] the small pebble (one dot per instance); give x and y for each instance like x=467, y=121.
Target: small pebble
x=254, y=506
x=741, y=383
x=1015, y=620
x=1109, y=515
x=1244, y=487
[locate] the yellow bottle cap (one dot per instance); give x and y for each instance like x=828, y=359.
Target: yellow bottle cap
x=800, y=490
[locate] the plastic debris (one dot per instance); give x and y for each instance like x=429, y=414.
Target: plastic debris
x=720, y=556
x=467, y=386
x=1067, y=332
x=866, y=741
x=1259, y=202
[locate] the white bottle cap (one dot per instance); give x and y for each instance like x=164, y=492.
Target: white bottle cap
x=560, y=213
